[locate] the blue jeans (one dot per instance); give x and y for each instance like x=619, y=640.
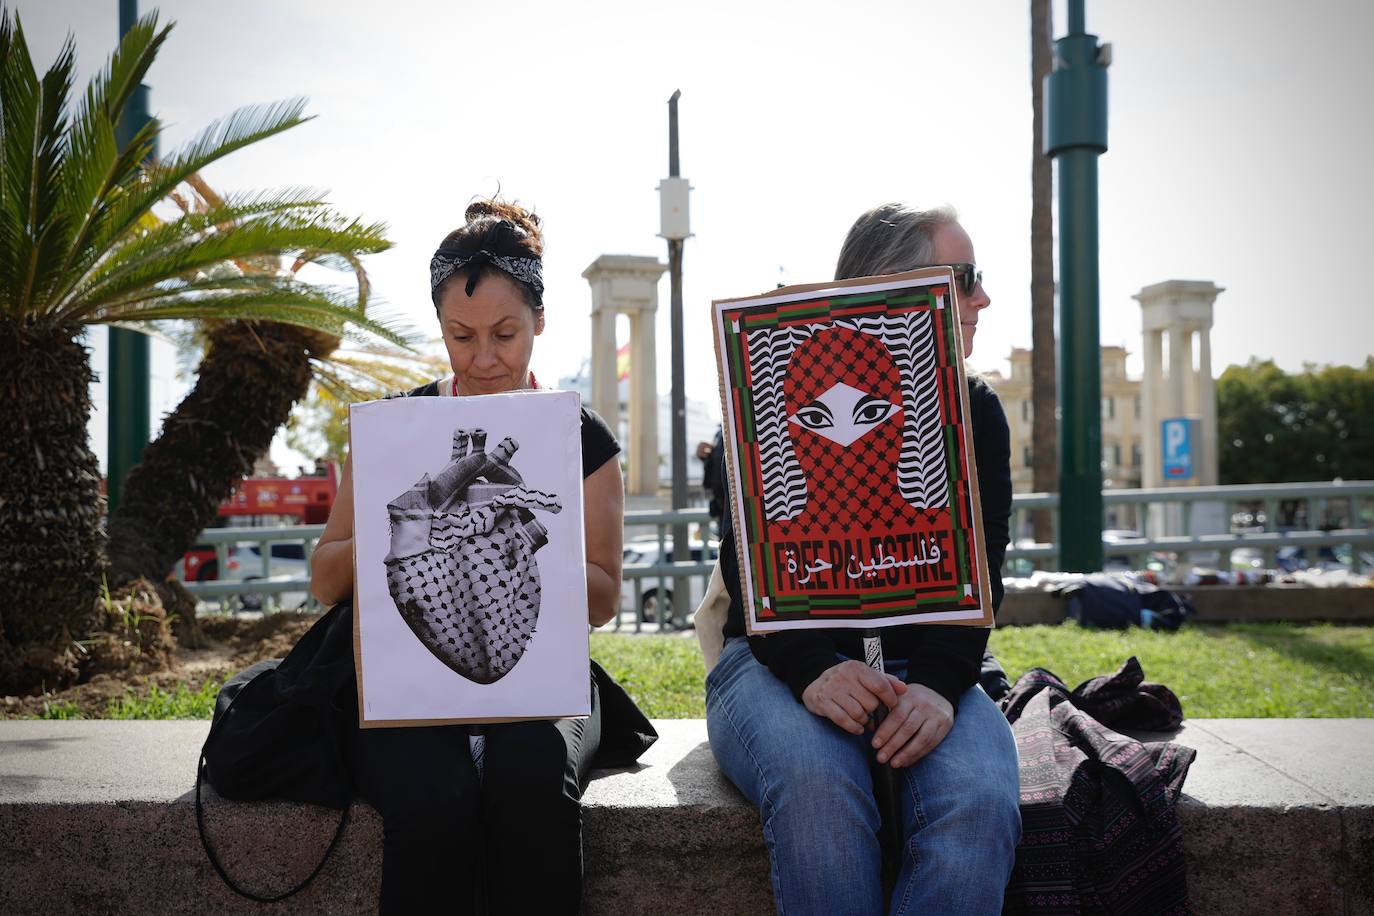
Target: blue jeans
x=812, y=786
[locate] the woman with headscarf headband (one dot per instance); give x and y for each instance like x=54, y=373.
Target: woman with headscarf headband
x=514, y=828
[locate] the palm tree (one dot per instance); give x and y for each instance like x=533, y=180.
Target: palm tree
x=1044, y=429
x=251, y=375
x=81, y=244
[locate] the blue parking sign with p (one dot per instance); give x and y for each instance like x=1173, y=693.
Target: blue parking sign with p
x=1176, y=436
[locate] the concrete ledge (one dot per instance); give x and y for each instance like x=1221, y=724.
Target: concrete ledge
x=97, y=816
x=1221, y=604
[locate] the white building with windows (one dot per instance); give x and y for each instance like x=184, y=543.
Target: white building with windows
x=1122, y=427
x=1177, y=389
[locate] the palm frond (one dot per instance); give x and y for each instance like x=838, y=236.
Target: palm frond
x=320, y=308
x=197, y=242
x=164, y=233
x=82, y=242
x=351, y=374
x=96, y=165
x=339, y=261
x=28, y=155
x=125, y=171
x=241, y=128
x=48, y=225
x=18, y=106
x=129, y=64
x=365, y=373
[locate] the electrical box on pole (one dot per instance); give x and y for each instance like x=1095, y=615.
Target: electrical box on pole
x=674, y=218
x=1075, y=135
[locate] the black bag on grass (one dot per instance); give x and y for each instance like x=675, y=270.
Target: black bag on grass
x=1108, y=602
x=277, y=730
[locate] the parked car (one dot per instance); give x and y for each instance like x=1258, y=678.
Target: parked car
x=286, y=560
x=643, y=551
x=198, y=564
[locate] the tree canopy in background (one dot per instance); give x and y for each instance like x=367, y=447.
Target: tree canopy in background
x=1317, y=424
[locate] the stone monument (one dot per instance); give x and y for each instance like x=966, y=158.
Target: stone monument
x=628, y=284
x=1179, y=311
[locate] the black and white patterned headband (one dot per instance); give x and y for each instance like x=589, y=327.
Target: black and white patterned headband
x=451, y=258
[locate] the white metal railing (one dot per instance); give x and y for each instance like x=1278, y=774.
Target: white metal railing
x=264, y=584
x=645, y=592
x=647, y=585
x=663, y=578
x=1310, y=501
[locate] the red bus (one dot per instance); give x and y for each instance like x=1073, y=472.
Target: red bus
x=257, y=501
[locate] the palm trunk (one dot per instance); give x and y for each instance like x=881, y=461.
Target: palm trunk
x=252, y=374
x=52, y=539
x=1044, y=429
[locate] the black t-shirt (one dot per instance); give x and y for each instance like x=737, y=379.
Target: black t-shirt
x=599, y=444
x=945, y=658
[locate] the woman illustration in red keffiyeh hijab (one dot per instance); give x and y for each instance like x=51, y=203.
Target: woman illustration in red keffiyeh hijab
x=788, y=713
x=843, y=400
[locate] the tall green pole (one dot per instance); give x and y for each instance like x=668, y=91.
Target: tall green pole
x=1075, y=135
x=129, y=392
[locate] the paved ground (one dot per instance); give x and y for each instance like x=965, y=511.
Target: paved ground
x=1240, y=762
x=1278, y=817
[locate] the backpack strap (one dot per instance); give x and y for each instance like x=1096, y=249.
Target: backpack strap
x=210, y=851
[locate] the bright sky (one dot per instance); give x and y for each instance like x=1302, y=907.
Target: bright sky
x=1240, y=137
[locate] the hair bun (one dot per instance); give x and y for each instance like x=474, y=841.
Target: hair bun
x=494, y=208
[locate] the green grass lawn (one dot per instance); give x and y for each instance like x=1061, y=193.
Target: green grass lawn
x=1238, y=670
x=1263, y=670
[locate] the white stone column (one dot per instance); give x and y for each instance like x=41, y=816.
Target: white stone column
x=1207, y=394
x=628, y=284
x=643, y=436
x=1177, y=308
x=605, y=397
x=1151, y=473
x=1180, y=357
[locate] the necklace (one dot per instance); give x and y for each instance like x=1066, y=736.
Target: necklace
x=454, y=385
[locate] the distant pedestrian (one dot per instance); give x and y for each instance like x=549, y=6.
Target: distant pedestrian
x=713, y=474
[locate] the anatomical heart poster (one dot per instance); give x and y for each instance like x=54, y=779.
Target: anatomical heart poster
x=853, y=486
x=470, y=596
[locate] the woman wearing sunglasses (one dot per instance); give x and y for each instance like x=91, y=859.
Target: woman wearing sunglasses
x=788, y=714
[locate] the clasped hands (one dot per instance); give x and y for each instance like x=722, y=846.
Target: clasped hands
x=917, y=721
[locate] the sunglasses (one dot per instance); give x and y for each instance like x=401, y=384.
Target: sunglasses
x=968, y=275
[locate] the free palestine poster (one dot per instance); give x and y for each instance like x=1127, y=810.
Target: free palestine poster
x=854, y=491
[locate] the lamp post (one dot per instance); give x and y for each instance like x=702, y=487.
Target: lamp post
x=674, y=223
x=1075, y=135
x=129, y=393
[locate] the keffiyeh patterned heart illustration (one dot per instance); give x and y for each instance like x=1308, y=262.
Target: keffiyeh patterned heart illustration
x=461, y=568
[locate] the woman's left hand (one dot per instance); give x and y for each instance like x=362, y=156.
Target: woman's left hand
x=914, y=727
